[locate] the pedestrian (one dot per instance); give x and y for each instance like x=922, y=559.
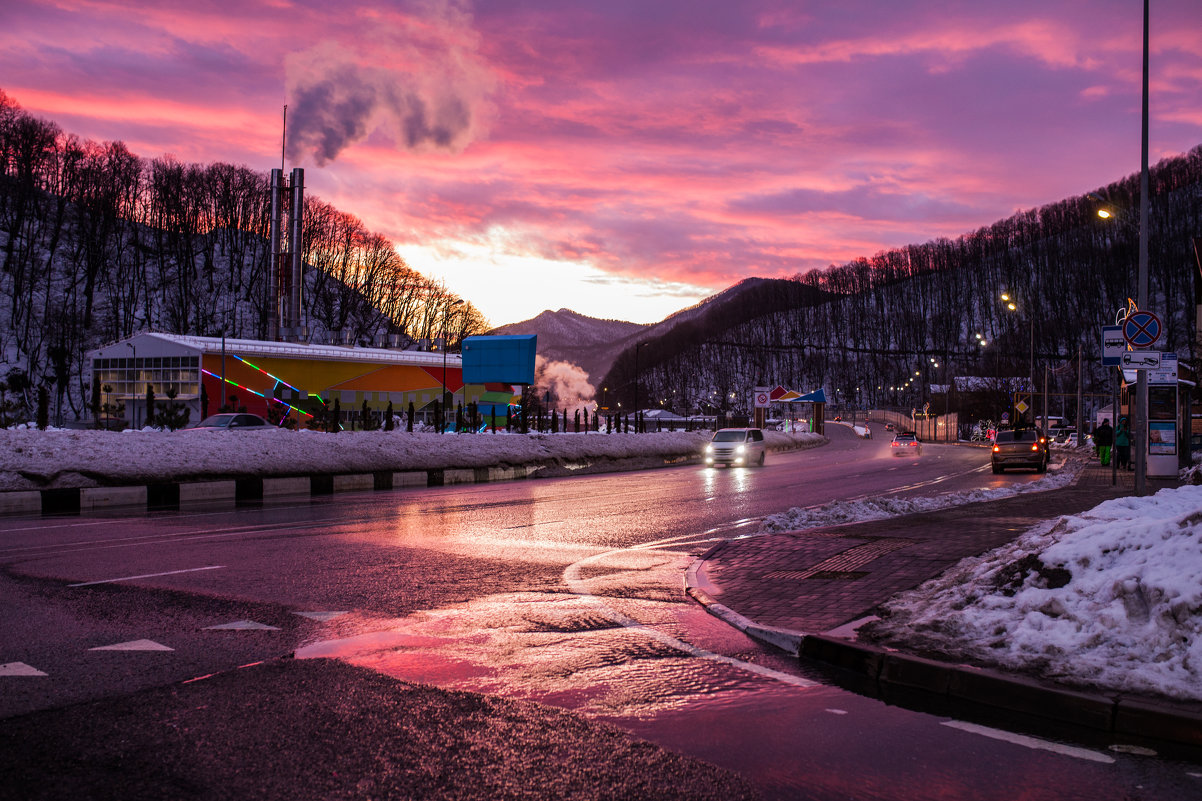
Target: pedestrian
x=1122, y=445
x=1103, y=438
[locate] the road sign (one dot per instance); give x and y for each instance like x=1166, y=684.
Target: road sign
x=1141, y=359
x=1141, y=329
x=1113, y=345
x=762, y=397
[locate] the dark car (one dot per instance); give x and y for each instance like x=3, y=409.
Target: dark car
x=1020, y=447
x=228, y=421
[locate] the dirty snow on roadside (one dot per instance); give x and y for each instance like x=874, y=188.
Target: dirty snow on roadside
x=1109, y=598
x=876, y=508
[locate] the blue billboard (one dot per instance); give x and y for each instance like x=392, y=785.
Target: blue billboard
x=499, y=359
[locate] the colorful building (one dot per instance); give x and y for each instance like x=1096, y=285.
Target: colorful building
x=276, y=380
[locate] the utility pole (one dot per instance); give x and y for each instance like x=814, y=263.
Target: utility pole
x=1141, y=393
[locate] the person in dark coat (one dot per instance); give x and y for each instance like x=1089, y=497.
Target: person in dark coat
x=1103, y=437
x=1122, y=445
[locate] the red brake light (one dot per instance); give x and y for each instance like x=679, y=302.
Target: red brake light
x=1035, y=446
x=996, y=449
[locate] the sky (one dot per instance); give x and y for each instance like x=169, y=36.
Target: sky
x=627, y=159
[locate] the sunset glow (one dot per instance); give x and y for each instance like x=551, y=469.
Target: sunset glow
x=625, y=160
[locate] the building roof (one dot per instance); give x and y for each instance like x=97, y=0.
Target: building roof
x=298, y=350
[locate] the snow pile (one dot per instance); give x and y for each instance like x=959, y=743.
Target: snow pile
x=32, y=459
x=1110, y=598
x=876, y=508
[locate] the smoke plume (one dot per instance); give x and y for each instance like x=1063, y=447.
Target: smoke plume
x=417, y=79
x=567, y=383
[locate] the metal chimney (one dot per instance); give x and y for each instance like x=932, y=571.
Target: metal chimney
x=296, y=221
x=272, y=290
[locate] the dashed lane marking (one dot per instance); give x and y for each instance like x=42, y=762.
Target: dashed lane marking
x=323, y=617
x=20, y=669
x=1031, y=742
x=146, y=575
x=242, y=625
x=133, y=645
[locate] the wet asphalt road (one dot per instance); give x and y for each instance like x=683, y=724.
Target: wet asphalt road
x=564, y=592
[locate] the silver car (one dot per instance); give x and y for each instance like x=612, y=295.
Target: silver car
x=736, y=446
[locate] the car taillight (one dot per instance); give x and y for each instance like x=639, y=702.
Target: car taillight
x=996, y=449
x=913, y=444
x=1035, y=446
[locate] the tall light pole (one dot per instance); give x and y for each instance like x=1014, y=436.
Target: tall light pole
x=442, y=400
x=1141, y=391
x=1012, y=305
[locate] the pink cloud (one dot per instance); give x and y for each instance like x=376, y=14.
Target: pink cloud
x=689, y=142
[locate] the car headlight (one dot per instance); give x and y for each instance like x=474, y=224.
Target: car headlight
x=742, y=449
x=709, y=448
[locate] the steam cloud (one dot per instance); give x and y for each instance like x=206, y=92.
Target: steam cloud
x=567, y=383
x=432, y=95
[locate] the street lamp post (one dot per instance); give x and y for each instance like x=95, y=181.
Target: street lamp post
x=1013, y=306
x=442, y=400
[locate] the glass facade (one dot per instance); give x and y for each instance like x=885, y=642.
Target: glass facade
x=128, y=378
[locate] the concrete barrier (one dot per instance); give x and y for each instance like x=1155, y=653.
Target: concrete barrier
x=458, y=477
x=292, y=485
x=19, y=503
x=91, y=498
x=354, y=482
x=413, y=478
x=203, y=492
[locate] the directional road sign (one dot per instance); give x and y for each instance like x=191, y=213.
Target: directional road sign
x=1113, y=345
x=1141, y=329
x=1141, y=359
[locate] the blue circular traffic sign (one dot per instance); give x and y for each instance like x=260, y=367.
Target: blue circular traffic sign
x=1141, y=329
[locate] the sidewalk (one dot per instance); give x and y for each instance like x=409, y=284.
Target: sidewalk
x=800, y=590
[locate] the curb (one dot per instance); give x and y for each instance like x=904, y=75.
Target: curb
x=913, y=681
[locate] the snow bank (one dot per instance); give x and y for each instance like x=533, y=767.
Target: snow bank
x=1110, y=598
x=32, y=459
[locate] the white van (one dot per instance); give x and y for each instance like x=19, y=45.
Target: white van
x=736, y=446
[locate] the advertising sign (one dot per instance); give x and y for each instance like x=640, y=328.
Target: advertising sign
x=499, y=359
x=1162, y=438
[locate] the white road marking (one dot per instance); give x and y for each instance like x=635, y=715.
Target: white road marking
x=1031, y=742
x=323, y=617
x=242, y=625
x=20, y=669
x=146, y=575
x=133, y=645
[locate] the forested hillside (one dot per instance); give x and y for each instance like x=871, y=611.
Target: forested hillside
x=863, y=330
x=97, y=243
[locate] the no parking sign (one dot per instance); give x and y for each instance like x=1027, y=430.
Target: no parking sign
x=762, y=397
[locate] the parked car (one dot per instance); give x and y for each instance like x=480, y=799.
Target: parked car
x=736, y=446
x=1020, y=447
x=228, y=421
x=905, y=443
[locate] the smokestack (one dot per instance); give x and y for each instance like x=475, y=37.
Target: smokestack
x=273, y=265
x=294, y=244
